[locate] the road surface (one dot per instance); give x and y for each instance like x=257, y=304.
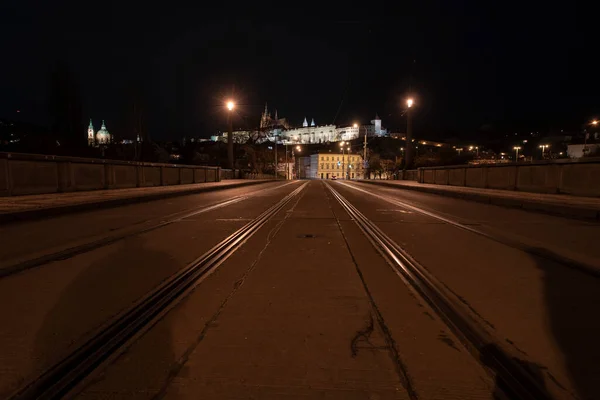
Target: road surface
x=301, y=289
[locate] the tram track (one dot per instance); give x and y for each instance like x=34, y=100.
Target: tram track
x=120, y=331
x=537, y=251
x=22, y=265
x=514, y=380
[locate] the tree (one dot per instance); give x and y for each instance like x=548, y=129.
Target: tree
x=375, y=164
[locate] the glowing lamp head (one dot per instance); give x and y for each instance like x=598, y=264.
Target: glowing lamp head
x=230, y=105
x=355, y=125
x=595, y=122
x=409, y=103
x=298, y=148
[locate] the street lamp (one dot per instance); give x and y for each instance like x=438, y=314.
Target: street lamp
x=230, y=106
x=343, y=148
x=544, y=147
x=408, y=161
x=516, y=149
x=297, y=170
x=355, y=125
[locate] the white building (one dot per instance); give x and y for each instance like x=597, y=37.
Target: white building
x=278, y=128
x=581, y=150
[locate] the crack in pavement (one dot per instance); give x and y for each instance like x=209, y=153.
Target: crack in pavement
x=179, y=364
x=391, y=346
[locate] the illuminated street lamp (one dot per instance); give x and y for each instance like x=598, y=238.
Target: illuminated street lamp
x=355, y=125
x=343, y=148
x=408, y=160
x=230, y=106
x=516, y=149
x=595, y=122
x=544, y=147
x=296, y=170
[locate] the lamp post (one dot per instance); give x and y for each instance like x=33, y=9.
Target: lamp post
x=342, y=146
x=297, y=170
x=230, y=107
x=408, y=162
x=544, y=147
x=516, y=149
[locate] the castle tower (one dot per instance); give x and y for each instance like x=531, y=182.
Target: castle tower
x=265, y=118
x=91, y=134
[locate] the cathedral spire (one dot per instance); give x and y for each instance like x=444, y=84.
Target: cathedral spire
x=305, y=123
x=276, y=118
x=266, y=110
x=312, y=122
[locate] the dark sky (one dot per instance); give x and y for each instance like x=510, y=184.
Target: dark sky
x=471, y=64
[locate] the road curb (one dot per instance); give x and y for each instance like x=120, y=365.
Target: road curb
x=562, y=210
x=47, y=212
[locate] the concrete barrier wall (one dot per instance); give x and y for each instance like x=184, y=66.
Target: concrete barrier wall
x=22, y=174
x=578, y=178
x=456, y=177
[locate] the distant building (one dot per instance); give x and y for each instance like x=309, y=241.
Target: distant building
x=328, y=165
x=582, y=150
x=275, y=128
x=102, y=137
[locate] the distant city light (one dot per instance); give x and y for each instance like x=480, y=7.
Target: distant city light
x=594, y=122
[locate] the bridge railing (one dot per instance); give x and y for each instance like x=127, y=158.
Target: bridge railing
x=576, y=177
x=22, y=174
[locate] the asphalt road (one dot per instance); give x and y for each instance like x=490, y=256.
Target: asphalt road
x=306, y=307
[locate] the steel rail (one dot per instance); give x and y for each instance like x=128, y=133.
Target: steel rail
x=515, y=244
x=511, y=377
x=121, y=330
x=86, y=247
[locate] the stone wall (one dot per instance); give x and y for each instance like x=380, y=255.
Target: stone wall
x=22, y=174
x=578, y=178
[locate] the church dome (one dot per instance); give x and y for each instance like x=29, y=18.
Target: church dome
x=103, y=136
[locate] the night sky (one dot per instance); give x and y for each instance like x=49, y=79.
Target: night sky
x=472, y=66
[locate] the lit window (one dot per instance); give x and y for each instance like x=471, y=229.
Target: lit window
x=321, y=166
x=322, y=158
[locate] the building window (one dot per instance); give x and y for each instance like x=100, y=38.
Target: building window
x=338, y=159
x=327, y=166
x=353, y=175
x=338, y=166
x=322, y=158
x=327, y=158
x=321, y=166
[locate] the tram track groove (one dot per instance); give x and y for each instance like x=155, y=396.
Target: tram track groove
x=511, y=376
x=515, y=244
x=121, y=331
x=70, y=252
